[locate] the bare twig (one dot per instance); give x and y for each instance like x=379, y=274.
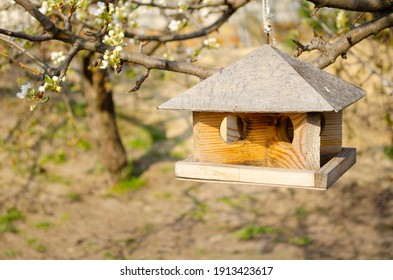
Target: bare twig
x=62, y=69
x=140, y=81
x=22, y=65
x=329, y=51
x=346, y=41
x=141, y=45
x=193, y=6
x=41, y=64
x=316, y=44
x=199, y=33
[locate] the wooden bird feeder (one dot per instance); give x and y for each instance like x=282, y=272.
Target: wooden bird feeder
x=268, y=119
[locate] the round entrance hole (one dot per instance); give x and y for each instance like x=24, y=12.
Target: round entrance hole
x=231, y=129
x=284, y=129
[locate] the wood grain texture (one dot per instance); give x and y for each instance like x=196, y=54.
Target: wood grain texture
x=335, y=168
x=264, y=140
x=247, y=183
x=244, y=174
x=303, y=152
x=210, y=147
x=321, y=179
x=331, y=135
x=270, y=81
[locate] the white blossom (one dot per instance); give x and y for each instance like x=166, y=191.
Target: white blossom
x=204, y=12
x=211, y=43
x=115, y=36
x=175, y=25
x=99, y=10
x=182, y=6
x=44, y=7
x=104, y=64
x=57, y=57
x=24, y=90
x=111, y=8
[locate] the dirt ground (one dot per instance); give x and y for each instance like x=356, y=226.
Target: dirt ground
x=55, y=201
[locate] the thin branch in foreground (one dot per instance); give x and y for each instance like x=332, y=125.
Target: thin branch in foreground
x=231, y=9
x=24, y=51
x=24, y=66
x=62, y=69
x=140, y=81
x=316, y=44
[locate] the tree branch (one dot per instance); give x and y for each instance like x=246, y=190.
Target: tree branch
x=330, y=51
x=24, y=51
x=371, y=6
x=22, y=65
x=140, y=81
x=21, y=35
x=127, y=57
x=201, y=32
x=62, y=69
x=162, y=64
x=45, y=22
x=193, y=6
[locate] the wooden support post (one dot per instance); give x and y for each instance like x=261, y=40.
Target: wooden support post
x=331, y=135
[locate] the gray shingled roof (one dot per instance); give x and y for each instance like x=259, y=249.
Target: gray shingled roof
x=268, y=80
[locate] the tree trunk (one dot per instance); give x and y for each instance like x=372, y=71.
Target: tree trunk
x=102, y=119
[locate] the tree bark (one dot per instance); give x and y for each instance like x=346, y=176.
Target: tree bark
x=102, y=119
x=370, y=6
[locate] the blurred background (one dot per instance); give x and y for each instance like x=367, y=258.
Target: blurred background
x=57, y=201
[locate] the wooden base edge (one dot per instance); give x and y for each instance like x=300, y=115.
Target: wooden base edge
x=322, y=179
x=247, y=184
x=328, y=174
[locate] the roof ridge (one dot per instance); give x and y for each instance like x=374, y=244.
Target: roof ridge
x=285, y=55
x=290, y=59
x=267, y=80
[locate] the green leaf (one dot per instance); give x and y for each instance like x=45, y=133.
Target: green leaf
x=45, y=99
x=48, y=80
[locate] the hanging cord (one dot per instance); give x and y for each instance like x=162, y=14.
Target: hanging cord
x=267, y=28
